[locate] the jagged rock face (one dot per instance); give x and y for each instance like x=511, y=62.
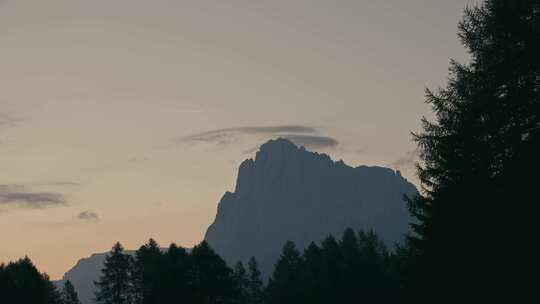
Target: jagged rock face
x=288, y=193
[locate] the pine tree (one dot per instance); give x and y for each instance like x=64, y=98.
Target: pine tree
x=242, y=282
x=286, y=284
x=479, y=164
x=175, y=275
x=22, y=283
x=69, y=295
x=255, y=284
x=313, y=274
x=351, y=266
x=115, y=285
x=211, y=281
x=147, y=274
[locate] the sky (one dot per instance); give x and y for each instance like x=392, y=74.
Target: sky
x=122, y=120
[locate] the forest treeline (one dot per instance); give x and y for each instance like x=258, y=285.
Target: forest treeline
x=475, y=218
x=337, y=269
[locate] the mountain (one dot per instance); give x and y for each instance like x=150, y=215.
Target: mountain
x=289, y=193
x=83, y=274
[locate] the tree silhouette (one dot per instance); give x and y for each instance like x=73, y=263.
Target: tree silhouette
x=242, y=282
x=211, y=281
x=147, y=274
x=22, y=283
x=175, y=281
x=285, y=285
x=69, y=295
x=255, y=288
x=479, y=164
x=115, y=284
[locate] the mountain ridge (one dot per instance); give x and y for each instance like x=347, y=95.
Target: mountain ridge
x=288, y=193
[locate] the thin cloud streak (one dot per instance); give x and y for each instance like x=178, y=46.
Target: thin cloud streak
x=17, y=195
x=301, y=135
x=313, y=141
x=225, y=135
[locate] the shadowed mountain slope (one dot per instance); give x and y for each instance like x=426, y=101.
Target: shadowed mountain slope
x=288, y=193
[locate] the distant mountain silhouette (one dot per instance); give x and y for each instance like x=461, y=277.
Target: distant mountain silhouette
x=83, y=275
x=288, y=193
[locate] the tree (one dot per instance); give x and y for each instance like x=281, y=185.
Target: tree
x=115, y=285
x=175, y=271
x=255, y=285
x=286, y=284
x=211, y=281
x=69, y=295
x=479, y=164
x=22, y=283
x=242, y=283
x=147, y=274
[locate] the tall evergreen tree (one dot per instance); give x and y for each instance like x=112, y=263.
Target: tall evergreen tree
x=255, y=285
x=242, y=283
x=286, y=284
x=21, y=282
x=350, y=251
x=175, y=271
x=147, y=274
x=115, y=285
x=480, y=163
x=69, y=295
x=211, y=281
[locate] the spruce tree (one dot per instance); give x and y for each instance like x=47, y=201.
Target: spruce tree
x=479, y=164
x=147, y=274
x=286, y=284
x=22, y=283
x=175, y=275
x=242, y=283
x=69, y=295
x=211, y=281
x=115, y=285
x=255, y=284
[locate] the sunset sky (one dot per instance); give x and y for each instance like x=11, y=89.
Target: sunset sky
x=127, y=119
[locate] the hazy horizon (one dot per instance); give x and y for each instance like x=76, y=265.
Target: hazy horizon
x=124, y=120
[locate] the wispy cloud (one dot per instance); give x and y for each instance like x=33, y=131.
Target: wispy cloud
x=21, y=196
x=303, y=135
x=89, y=216
x=58, y=184
x=313, y=141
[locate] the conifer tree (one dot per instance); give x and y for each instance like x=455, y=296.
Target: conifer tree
x=479, y=164
x=115, y=285
x=255, y=284
x=175, y=275
x=22, y=283
x=69, y=295
x=147, y=274
x=242, y=283
x=286, y=284
x=211, y=281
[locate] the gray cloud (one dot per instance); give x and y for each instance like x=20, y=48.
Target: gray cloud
x=88, y=216
x=58, y=184
x=302, y=135
x=406, y=161
x=17, y=195
x=313, y=141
